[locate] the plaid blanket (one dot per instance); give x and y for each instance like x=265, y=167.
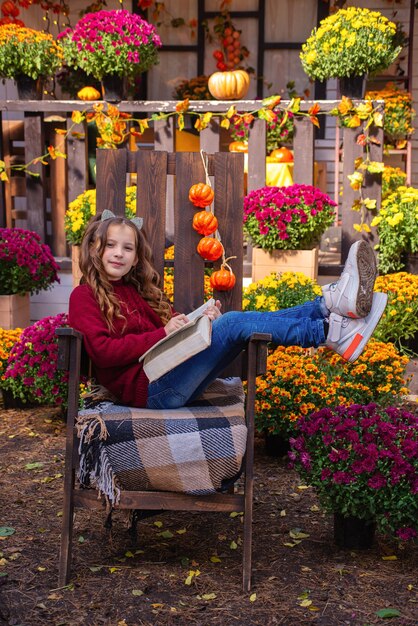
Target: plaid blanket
x=197, y=449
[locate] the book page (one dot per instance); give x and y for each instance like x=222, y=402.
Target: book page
x=198, y=312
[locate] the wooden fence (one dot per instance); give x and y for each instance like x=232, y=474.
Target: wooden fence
x=39, y=204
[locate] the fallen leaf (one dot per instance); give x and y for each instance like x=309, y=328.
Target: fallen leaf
x=392, y=557
x=253, y=597
x=233, y=545
x=215, y=559
x=386, y=613
x=166, y=534
x=305, y=603
x=41, y=569
x=129, y=554
x=137, y=592
x=192, y=574
x=33, y=466
x=158, y=524
x=296, y=533
x=209, y=596
x=6, y=531
x=181, y=531
x=283, y=513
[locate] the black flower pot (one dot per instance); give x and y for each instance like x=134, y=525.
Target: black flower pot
x=113, y=88
x=276, y=445
x=352, y=86
x=28, y=88
x=10, y=402
x=352, y=532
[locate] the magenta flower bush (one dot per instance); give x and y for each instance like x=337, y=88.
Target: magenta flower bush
x=111, y=42
x=26, y=264
x=362, y=461
x=287, y=218
x=31, y=374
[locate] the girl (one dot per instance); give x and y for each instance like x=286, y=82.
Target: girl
x=122, y=312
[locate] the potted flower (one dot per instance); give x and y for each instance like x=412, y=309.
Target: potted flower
x=77, y=216
x=26, y=267
x=398, y=323
x=362, y=461
x=193, y=89
x=397, y=229
x=278, y=219
x=350, y=43
x=7, y=340
x=279, y=130
x=28, y=56
x=299, y=381
x=111, y=44
x=399, y=113
x=279, y=291
x=392, y=178
x=32, y=376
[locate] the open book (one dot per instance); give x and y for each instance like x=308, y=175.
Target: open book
x=179, y=345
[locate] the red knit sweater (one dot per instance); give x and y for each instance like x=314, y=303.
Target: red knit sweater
x=115, y=354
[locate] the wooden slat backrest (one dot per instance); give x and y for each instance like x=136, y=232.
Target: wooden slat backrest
x=155, y=170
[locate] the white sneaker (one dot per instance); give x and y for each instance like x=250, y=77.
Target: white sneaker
x=352, y=294
x=348, y=337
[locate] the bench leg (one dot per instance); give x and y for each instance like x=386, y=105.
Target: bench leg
x=66, y=537
x=247, y=548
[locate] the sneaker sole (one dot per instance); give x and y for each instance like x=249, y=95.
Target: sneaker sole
x=360, y=340
x=367, y=272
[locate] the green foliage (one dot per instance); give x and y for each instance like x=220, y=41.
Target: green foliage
x=397, y=227
x=29, y=52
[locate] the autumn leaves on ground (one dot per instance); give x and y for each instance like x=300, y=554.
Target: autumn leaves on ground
x=184, y=568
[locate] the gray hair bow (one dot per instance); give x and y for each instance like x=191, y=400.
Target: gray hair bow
x=107, y=215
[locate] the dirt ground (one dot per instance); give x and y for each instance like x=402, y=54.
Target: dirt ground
x=117, y=582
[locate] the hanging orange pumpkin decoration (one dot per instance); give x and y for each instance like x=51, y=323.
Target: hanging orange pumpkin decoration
x=201, y=195
x=223, y=279
x=210, y=249
x=205, y=223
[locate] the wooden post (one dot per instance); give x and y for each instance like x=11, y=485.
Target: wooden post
x=35, y=186
x=351, y=151
x=58, y=181
x=77, y=160
x=164, y=131
x=303, y=145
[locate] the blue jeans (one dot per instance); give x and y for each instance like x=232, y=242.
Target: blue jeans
x=298, y=326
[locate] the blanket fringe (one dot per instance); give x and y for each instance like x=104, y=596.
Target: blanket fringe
x=95, y=469
x=87, y=426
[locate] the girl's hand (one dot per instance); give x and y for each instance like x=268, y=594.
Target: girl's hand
x=175, y=323
x=214, y=311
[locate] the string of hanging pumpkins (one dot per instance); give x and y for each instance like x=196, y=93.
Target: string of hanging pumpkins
x=205, y=223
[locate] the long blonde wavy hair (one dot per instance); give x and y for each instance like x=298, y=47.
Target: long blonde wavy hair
x=143, y=275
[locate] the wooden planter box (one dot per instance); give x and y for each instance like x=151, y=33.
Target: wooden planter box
x=14, y=311
x=264, y=263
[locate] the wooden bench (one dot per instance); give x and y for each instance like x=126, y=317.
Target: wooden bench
x=153, y=171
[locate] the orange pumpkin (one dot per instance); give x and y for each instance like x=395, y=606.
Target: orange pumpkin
x=238, y=146
x=205, y=223
x=229, y=85
x=223, y=279
x=282, y=155
x=210, y=249
x=89, y=93
x=201, y=195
